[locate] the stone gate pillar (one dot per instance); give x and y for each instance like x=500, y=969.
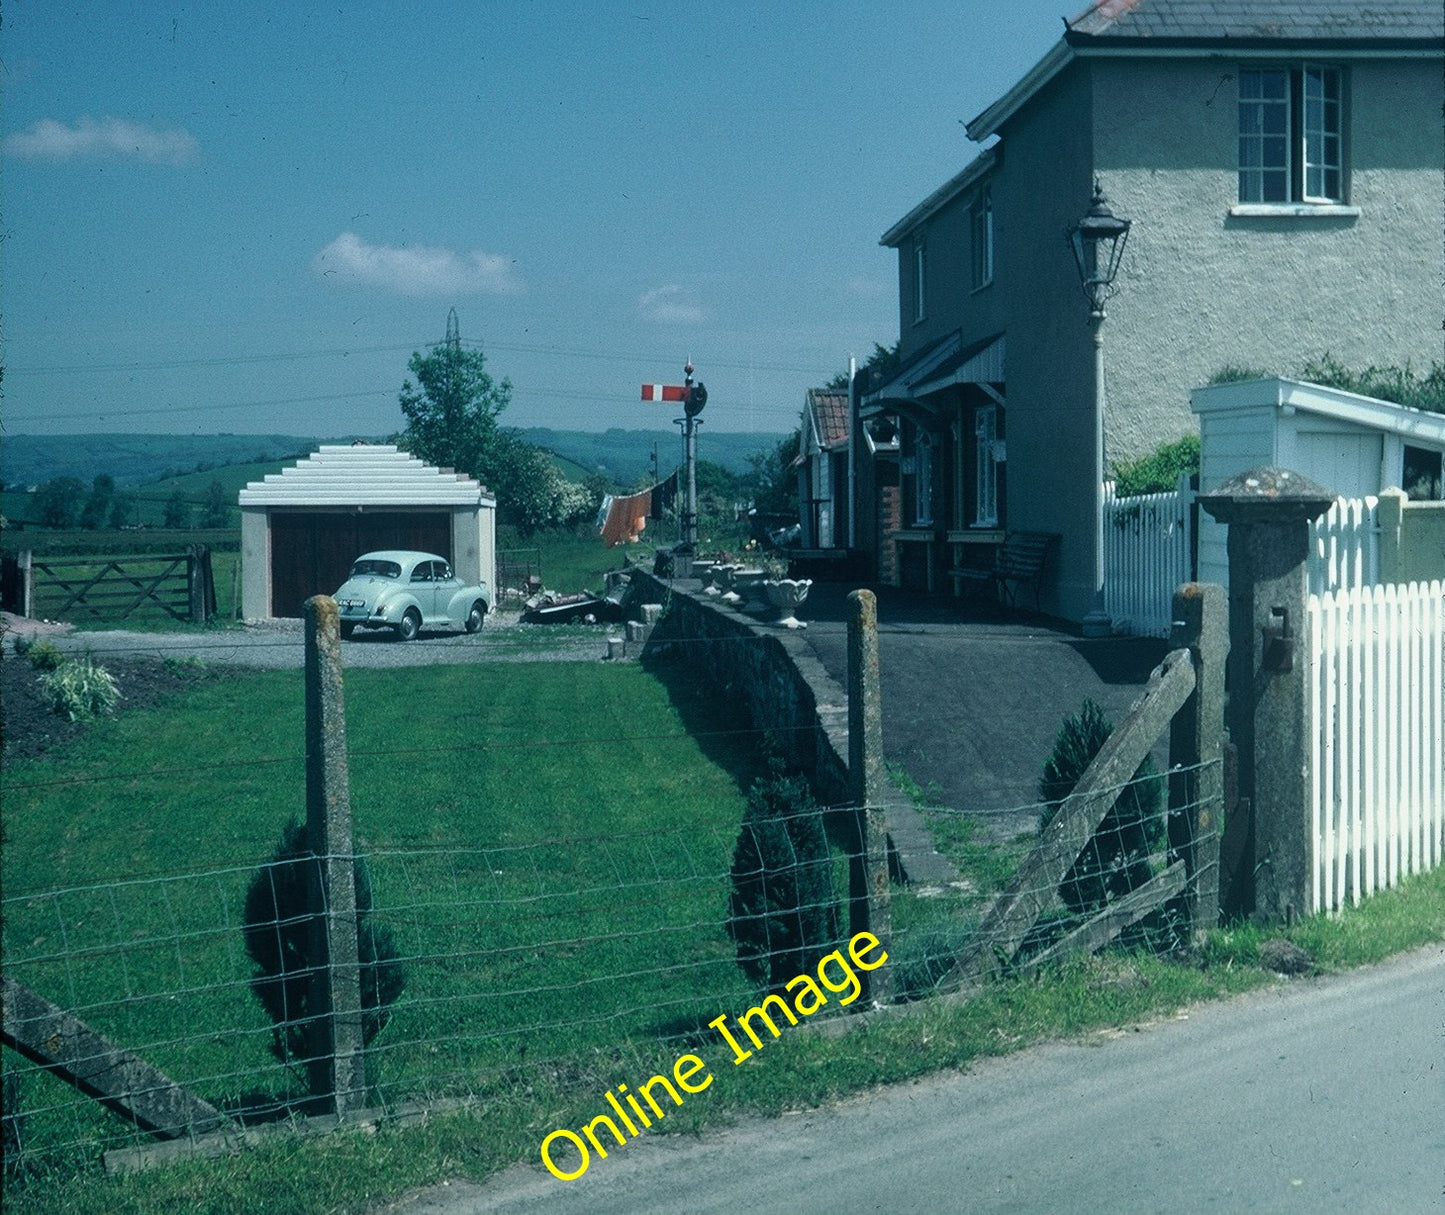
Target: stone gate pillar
x=1268, y=512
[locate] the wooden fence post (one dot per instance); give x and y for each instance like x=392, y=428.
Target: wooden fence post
x=868, y=869
x=200, y=585
x=336, y=1063
x=27, y=583
x=1196, y=759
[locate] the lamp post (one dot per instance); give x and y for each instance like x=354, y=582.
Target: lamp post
x=1098, y=242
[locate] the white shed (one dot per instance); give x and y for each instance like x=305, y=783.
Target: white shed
x=302, y=528
x=1353, y=445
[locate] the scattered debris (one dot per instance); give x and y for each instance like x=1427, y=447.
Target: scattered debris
x=584, y=608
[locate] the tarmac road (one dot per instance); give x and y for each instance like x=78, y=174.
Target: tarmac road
x=1315, y=1096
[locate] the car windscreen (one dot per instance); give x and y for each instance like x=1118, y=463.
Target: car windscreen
x=378, y=569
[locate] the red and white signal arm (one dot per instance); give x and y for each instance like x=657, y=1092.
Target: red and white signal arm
x=664, y=392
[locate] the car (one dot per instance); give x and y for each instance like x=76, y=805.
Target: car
x=407, y=592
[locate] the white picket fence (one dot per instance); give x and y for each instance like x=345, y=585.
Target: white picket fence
x=1345, y=546
x=1377, y=716
x=1148, y=552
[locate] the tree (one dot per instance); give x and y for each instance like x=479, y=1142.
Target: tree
x=58, y=502
x=122, y=510
x=879, y=365
x=783, y=915
x=1116, y=858
x=773, y=480
x=216, y=512
x=277, y=934
x=451, y=411
x=98, y=503
x=178, y=510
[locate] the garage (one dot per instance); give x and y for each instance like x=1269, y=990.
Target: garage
x=302, y=528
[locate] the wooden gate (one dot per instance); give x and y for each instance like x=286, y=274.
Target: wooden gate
x=109, y=589
x=1185, y=695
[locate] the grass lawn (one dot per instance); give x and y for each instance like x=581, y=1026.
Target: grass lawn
x=548, y=844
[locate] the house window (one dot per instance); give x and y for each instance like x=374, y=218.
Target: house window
x=1291, y=135
x=980, y=218
x=985, y=481
x=918, y=467
x=920, y=265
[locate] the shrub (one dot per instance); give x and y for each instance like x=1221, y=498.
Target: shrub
x=1158, y=472
x=79, y=689
x=783, y=916
x=42, y=655
x=277, y=934
x=1116, y=858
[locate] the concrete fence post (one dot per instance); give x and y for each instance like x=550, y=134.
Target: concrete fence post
x=337, y=1063
x=868, y=868
x=1196, y=752
x=1268, y=512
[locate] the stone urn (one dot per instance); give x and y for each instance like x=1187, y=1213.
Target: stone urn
x=745, y=591
x=787, y=595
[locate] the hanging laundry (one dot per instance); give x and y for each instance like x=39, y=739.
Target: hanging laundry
x=664, y=494
x=626, y=517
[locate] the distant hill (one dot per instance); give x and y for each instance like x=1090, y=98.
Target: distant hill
x=134, y=460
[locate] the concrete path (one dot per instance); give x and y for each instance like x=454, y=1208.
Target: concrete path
x=973, y=697
x=1315, y=1095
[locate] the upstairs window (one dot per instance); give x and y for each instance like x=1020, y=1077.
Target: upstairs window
x=980, y=222
x=920, y=267
x=1291, y=135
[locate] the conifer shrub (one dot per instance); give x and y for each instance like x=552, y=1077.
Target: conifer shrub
x=277, y=935
x=1116, y=858
x=783, y=915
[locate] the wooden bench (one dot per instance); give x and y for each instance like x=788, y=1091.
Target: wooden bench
x=1019, y=561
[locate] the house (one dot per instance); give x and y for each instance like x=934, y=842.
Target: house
x=824, y=471
x=1352, y=445
x=1280, y=165
x=302, y=528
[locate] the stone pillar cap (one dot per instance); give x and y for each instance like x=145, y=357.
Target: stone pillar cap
x=1267, y=495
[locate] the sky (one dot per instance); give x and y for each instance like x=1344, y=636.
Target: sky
x=245, y=218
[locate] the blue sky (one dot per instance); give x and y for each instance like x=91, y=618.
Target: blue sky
x=244, y=218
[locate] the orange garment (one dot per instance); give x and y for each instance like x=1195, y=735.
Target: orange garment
x=626, y=518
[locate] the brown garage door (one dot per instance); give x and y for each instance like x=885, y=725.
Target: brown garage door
x=311, y=551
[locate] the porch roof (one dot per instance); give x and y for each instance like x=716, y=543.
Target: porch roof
x=945, y=363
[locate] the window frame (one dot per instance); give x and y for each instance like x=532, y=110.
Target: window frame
x=920, y=279
x=1291, y=127
x=981, y=237
x=985, y=466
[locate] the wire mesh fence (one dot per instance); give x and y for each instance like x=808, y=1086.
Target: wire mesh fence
x=543, y=957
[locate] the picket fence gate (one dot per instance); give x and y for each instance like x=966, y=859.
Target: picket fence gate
x=1376, y=717
x=1148, y=552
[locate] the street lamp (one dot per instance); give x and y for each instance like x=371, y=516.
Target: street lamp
x=1098, y=243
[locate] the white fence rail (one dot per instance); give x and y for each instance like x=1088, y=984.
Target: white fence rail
x=1345, y=546
x=1377, y=762
x=1148, y=552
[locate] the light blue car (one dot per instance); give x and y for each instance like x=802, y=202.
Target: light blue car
x=407, y=592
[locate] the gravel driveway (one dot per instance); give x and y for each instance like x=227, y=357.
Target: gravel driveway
x=279, y=644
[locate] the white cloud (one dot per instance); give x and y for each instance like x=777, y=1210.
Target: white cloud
x=667, y=306
x=49, y=139
x=417, y=270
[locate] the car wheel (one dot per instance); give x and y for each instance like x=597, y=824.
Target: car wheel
x=410, y=625
x=347, y=629
x=476, y=616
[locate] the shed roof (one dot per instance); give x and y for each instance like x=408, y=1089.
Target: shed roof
x=1293, y=396
x=365, y=475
